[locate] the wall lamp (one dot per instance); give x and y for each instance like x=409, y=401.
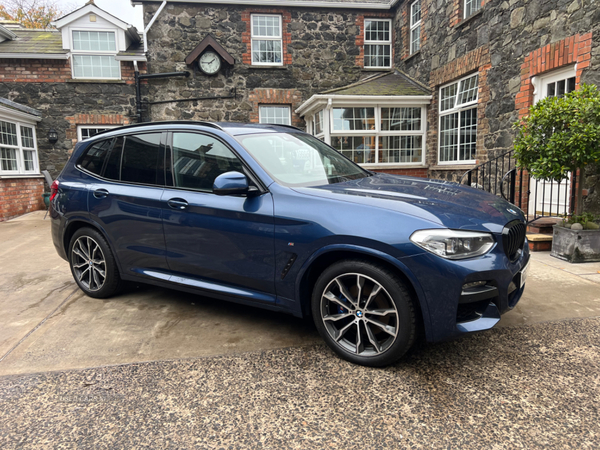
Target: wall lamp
x=52, y=136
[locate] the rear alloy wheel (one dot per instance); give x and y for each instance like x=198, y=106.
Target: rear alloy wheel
x=364, y=313
x=93, y=265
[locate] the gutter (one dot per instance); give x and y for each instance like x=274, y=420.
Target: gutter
x=34, y=55
x=298, y=4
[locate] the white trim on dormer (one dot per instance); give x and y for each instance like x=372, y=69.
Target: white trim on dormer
x=86, y=10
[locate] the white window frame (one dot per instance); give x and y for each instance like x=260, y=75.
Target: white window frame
x=20, y=150
x=260, y=112
x=94, y=52
x=540, y=82
x=376, y=42
x=473, y=11
x=456, y=109
x=415, y=26
x=93, y=127
x=265, y=38
x=329, y=132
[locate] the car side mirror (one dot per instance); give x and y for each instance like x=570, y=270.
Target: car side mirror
x=232, y=183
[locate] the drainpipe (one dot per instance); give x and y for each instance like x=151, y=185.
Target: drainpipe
x=326, y=120
x=160, y=8
x=138, y=94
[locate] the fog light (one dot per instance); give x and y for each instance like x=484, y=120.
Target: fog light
x=473, y=284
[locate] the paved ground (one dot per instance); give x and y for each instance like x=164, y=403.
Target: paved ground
x=264, y=380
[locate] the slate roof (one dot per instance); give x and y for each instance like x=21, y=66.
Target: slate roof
x=13, y=105
x=390, y=83
x=34, y=41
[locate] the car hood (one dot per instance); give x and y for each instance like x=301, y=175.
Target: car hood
x=445, y=203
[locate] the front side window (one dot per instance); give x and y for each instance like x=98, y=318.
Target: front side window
x=471, y=7
x=18, y=148
x=93, y=55
x=415, y=27
x=267, y=43
x=458, y=120
x=378, y=43
x=275, y=115
x=198, y=159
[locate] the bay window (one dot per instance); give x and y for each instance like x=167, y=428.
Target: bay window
x=374, y=135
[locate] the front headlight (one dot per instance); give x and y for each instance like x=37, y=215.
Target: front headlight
x=453, y=244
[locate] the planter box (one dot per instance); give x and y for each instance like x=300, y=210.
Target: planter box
x=576, y=246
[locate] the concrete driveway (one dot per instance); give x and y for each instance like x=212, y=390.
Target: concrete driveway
x=47, y=323
x=154, y=368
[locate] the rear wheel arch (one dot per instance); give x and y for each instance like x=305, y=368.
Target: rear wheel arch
x=76, y=225
x=328, y=258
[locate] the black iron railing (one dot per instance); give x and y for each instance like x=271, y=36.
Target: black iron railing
x=537, y=198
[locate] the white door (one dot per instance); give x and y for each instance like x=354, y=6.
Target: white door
x=551, y=198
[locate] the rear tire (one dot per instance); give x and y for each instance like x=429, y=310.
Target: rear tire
x=364, y=312
x=93, y=265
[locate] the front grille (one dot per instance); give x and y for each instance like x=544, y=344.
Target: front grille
x=513, y=238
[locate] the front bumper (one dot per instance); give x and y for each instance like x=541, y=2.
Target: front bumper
x=467, y=295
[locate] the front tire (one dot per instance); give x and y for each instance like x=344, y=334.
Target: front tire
x=93, y=265
x=364, y=313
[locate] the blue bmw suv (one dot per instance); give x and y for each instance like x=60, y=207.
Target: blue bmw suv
x=270, y=216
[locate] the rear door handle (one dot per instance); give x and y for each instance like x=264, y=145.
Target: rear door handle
x=100, y=193
x=177, y=203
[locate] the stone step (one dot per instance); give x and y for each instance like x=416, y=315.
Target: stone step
x=539, y=242
x=543, y=225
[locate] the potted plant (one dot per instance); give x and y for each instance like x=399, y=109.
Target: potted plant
x=562, y=135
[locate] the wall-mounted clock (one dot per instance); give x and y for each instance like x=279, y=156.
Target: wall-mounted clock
x=209, y=63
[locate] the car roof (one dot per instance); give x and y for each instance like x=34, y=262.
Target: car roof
x=231, y=128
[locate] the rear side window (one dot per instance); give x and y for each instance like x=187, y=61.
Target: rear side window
x=199, y=159
x=94, y=157
x=140, y=161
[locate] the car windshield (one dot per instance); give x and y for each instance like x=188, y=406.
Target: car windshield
x=294, y=159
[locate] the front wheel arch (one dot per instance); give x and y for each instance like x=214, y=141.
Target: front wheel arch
x=331, y=255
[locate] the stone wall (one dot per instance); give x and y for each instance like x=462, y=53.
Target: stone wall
x=511, y=31
x=20, y=196
x=320, y=52
x=66, y=103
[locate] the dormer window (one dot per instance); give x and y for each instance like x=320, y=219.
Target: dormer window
x=93, y=55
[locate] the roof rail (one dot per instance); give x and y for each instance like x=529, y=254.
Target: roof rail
x=164, y=122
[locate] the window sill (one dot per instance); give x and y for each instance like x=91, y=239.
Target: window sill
x=467, y=166
x=409, y=57
x=93, y=80
x=267, y=67
x=377, y=69
x=464, y=22
x=406, y=166
x=21, y=175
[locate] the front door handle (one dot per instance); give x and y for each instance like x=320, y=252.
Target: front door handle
x=177, y=203
x=100, y=193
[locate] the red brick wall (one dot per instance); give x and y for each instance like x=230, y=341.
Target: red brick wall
x=290, y=97
x=419, y=172
x=20, y=196
x=51, y=71
x=360, y=37
x=286, y=19
x=574, y=49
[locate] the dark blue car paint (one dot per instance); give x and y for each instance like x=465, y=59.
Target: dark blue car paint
x=237, y=248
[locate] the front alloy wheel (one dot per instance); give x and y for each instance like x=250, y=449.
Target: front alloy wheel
x=364, y=313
